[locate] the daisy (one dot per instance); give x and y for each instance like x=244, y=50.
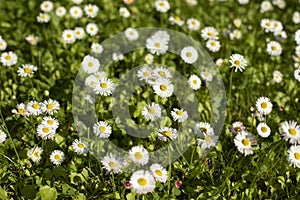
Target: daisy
x=124, y=12
x=91, y=29
x=20, y=110
x=238, y=61
x=213, y=45
x=244, y=141
x=277, y=76
x=189, y=54
x=102, y=129
x=57, y=157
x=142, y=182
x=27, y=70
x=3, y=44
x=91, y=10
x=145, y=73
x=237, y=127
x=131, y=34
x=46, y=6
x=43, y=18
x=76, y=12
x=149, y=58
x=162, y=6
x=296, y=17
x=151, y=111
x=117, y=56
x=294, y=156
x=80, y=146
x=104, y=87
x=128, y=2
x=237, y=22
x=35, y=154
x=34, y=108
x=266, y=6
x=179, y=115
x=209, y=140
x=139, y=155
x=163, y=88
x=235, y=34
x=161, y=72
x=50, y=121
x=79, y=33
x=209, y=33
x=3, y=136
x=50, y=106
x=100, y=74
x=291, y=132
x=31, y=39
x=243, y=2
x=192, y=2
x=274, y=48
x=8, y=59
x=166, y=132
x=219, y=62
x=77, y=1
x=96, y=48
x=297, y=74
x=264, y=105
x=193, y=24
x=276, y=26
x=91, y=81
x=206, y=76
x=69, y=36
x=160, y=174
x=60, y=11
x=158, y=43
x=297, y=37
x=194, y=82
x=45, y=131
x=112, y=163
x=90, y=64
x=203, y=128
x=263, y=130
x=266, y=24
x=176, y=20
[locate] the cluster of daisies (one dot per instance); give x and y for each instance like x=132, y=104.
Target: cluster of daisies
x=296, y=57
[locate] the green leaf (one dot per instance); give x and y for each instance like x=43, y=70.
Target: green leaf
x=130, y=196
x=3, y=194
x=47, y=193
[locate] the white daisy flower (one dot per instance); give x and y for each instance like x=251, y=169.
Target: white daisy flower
x=176, y=20
x=193, y=24
x=131, y=34
x=243, y=2
x=235, y=34
x=124, y=12
x=50, y=106
x=179, y=115
x=162, y=6
x=291, y=132
x=209, y=33
x=90, y=64
x=145, y=73
x=203, y=128
x=277, y=76
x=57, y=157
x=161, y=72
x=34, y=108
x=8, y=59
x=96, y=48
x=112, y=163
x=219, y=62
x=263, y=130
x=92, y=29
x=91, y=10
x=237, y=127
x=47, y=6
x=3, y=44
x=60, y=11
x=45, y=131
x=139, y=155
x=189, y=54
x=294, y=156
x=117, y=56
x=91, y=81
x=274, y=48
x=149, y=58
x=265, y=6
x=264, y=105
x=238, y=61
x=142, y=182
x=237, y=22
x=50, y=121
x=76, y=12
x=3, y=136
x=100, y=74
x=266, y=24
x=159, y=172
x=244, y=141
x=79, y=33
x=102, y=129
x=69, y=36
x=35, y=154
x=297, y=74
x=43, y=18
x=26, y=70
x=158, y=43
x=209, y=140
x=206, y=76
x=194, y=82
x=104, y=87
x=213, y=45
x=296, y=17
x=151, y=111
x=163, y=88
x=276, y=26
x=166, y=132
x=80, y=146
x=77, y=1
x=20, y=110
x=128, y=2
x=31, y=39
x=297, y=37
x=192, y=2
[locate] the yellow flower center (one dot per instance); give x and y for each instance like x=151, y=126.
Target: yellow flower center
x=158, y=172
x=36, y=154
x=102, y=128
x=210, y=34
x=264, y=129
x=162, y=4
x=80, y=145
x=131, y=33
x=297, y=155
x=274, y=48
x=50, y=122
x=50, y=106
x=103, y=85
x=146, y=73
x=157, y=45
x=188, y=54
x=207, y=138
x=213, y=44
x=151, y=110
x=163, y=87
x=162, y=73
x=268, y=24
x=264, y=105
x=138, y=155
x=57, y=157
x=8, y=57
x=91, y=10
x=292, y=131
x=178, y=18
x=194, y=22
x=27, y=70
x=179, y=112
x=112, y=164
x=246, y=142
x=237, y=63
x=203, y=130
x=35, y=106
x=46, y=130
x=21, y=110
x=195, y=82
x=237, y=129
x=90, y=64
x=142, y=181
x=167, y=133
